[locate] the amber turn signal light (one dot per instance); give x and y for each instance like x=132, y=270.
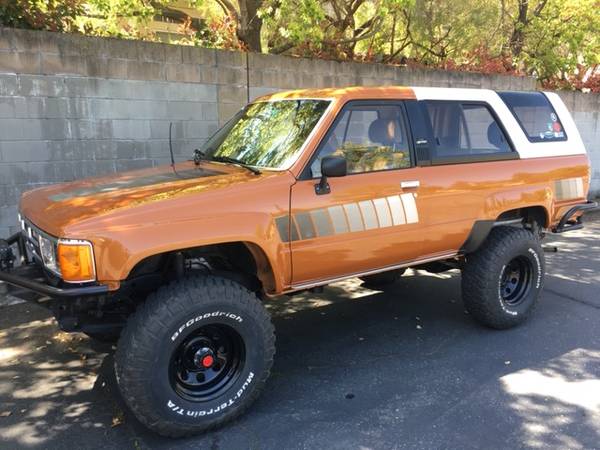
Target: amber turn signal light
x=76, y=261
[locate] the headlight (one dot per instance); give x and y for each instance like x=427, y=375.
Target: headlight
x=72, y=260
x=76, y=261
x=48, y=253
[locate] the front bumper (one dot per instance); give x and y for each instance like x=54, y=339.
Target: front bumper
x=29, y=282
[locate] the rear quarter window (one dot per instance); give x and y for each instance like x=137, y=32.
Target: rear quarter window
x=535, y=115
x=465, y=129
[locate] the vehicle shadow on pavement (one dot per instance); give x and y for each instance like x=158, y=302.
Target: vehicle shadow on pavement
x=404, y=367
x=575, y=266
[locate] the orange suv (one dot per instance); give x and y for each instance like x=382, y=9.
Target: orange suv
x=299, y=189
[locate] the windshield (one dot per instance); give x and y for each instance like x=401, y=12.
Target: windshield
x=266, y=134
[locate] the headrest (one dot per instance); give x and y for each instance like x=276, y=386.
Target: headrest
x=385, y=132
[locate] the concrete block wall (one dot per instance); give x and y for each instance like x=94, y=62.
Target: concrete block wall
x=585, y=109
x=73, y=106
x=272, y=72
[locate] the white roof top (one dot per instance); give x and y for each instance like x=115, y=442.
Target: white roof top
x=526, y=149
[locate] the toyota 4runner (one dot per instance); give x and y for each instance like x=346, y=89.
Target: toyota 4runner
x=299, y=189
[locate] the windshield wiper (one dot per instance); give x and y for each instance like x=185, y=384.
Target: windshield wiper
x=237, y=162
x=199, y=156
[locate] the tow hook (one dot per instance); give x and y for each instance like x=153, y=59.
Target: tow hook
x=550, y=249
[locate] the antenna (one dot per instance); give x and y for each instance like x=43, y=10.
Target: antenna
x=171, y=145
x=171, y=148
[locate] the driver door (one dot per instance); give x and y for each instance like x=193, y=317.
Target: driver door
x=369, y=218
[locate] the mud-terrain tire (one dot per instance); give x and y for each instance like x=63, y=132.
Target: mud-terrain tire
x=194, y=356
x=502, y=280
x=383, y=278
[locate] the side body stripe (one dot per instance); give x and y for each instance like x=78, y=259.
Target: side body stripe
x=383, y=212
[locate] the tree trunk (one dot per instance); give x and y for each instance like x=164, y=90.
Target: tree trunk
x=516, y=39
x=249, y=24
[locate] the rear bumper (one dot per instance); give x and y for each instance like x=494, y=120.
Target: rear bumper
x=29, y=282
x=568, y=222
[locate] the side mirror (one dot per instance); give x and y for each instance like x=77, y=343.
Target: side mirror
x=331, y=166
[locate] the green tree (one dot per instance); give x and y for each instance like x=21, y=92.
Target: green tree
x=556, y=41
x=561, y=41
x=245, y=14
x=119, y=18
x=52, y=15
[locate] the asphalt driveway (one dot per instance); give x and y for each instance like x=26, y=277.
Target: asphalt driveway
x=355, y=369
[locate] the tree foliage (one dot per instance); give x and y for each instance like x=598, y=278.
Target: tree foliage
x=52, y=15
x=556, y=41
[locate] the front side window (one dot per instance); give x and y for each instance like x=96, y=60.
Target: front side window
x=535, y=114
x=267, y=134
x=464, y=129
x=370, y=137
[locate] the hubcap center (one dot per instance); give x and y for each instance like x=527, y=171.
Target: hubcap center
x=204, y=358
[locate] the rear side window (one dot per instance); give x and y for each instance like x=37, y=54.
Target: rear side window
x=462, y=129
x=536, y=116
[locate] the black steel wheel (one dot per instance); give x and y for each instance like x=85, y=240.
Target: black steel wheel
x=207, y=363
x=502, y=280
x=515, y=280
x=195, y=355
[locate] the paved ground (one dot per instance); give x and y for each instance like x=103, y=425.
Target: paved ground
x=355, y=369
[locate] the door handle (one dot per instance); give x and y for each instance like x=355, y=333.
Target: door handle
x=414, y=184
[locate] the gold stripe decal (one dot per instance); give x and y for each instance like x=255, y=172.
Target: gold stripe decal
x=338, y=218
x=410, y=208
x=354, y=218
x=373, y=214
x=568, y=189
x=383, y=212
x=368, y=212
x=305, y=225
x=398, y=217
x=322, y=223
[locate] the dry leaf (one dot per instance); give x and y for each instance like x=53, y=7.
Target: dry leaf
x=5, y=413
x=117, y=420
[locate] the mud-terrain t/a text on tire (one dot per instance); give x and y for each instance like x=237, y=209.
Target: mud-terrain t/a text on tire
x=502, y=280
x=298, y=190
x=195, y=355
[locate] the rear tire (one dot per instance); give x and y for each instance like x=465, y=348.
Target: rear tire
x=382, y=279
x=194, y=356
x=502, y=281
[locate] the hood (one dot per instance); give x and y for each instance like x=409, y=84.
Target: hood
x=54, y=208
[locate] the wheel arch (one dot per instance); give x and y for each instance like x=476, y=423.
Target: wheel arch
x=530, y=214
x=533, y=217
x=242, y=257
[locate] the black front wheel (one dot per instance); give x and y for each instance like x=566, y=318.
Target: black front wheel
x=502, y=281
x=194, y=356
